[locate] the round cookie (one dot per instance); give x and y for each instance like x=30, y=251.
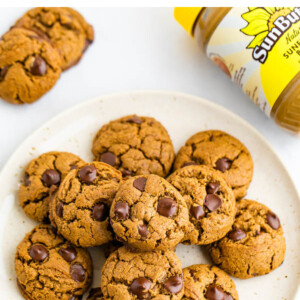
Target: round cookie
x=67, y=30
x=221, y=151
x=203, y=282
x=42, y=178
x=135, y=145
x=210, y=201
x=49, y=267
x=80, y=208
x=255, y=246
x=149, y=275
x=149, y=213
x=29, y=66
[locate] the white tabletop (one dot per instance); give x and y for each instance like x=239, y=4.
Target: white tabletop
x=137, y=49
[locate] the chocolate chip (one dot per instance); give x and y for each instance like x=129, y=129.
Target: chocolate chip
x=212, y=202
x=121, y=210
x=3, y=72
x=100, y=212
x=167, y=207
x=135, y=119
x=126, y=173
x=38, y=252
x=197, y=212
x=189, y=163
x=212, y=187
x=140, y=183
x=51, y=177
x=73, y=167
x=174, y=284
x=273, y=220
x=215, y=293
x=223, y=164
x=68, y=254
x=77, y=273
x=140, y=286
x=39, y=67
x=87, y=174
x=60, y=209
x=53, y=229
x=108, y=158
x=27, y=181
x=237, y=234
x=143, y=230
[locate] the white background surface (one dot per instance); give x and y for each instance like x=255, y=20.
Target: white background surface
x=137, y=49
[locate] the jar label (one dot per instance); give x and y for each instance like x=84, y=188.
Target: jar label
x=259, y=49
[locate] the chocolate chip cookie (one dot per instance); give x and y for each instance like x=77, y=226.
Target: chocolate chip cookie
x=210, y=201
x=29, y=66
x=49, y=267
x=67, y=30
x=42, y=178
x=149, y=275
x=208, y=282
x=135, y=145
x=80, y=208
x=255, y=245
x=221, y=151
x=149, y=213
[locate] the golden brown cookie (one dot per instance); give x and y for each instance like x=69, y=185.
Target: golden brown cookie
x=203, y=282
x=80, y=208
x=210, y=201
x=68, y=31
x=29, y=66
x=221, y=151
x=149, y=275
x=49, y=267
x=42, y=178
x=135, y=145
x=149, y=213
x=255, y=246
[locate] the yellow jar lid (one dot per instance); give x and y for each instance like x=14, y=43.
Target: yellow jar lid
x=186, y=17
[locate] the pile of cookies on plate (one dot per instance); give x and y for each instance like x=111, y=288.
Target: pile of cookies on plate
x=38, y=47
x=128, y=200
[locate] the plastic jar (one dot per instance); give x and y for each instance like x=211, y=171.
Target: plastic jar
x=258, y=48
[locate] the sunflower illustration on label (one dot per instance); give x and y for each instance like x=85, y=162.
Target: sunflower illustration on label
x=259, y=48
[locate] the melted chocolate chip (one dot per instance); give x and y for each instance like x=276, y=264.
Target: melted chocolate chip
x=100, y=212
x=135, y=119
x=216, y=293
x=68, y=254
x=212, y=202
x=212, y=187
x=87, y=174
x=167, y=207
x=273, y=220
x=223, y=164
x=174, y=284
x=3, y=72
x=126, y=173
x=121, y=210
x=73, y=167
x=143, y=230
x=108, y=158
x=60, y=209
x=140, y=183
x=237, y=234
x=38, y=252
x=51, y=177
x=197, y=212
x=140, y=286
x=77, y=273
x=27, y=181
x=189, y=163
x=39, y=67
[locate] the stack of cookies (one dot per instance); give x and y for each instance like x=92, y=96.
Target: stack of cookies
x=128, y=201
x=38, y=47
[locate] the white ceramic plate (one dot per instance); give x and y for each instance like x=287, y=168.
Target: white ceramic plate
x=182, y=115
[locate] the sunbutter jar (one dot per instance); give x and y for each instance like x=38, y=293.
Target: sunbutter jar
x=258, y=48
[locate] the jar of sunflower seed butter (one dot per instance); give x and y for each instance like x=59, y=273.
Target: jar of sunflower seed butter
x=258, y=48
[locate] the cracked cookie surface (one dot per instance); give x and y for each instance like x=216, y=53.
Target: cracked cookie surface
x=149, y=213
x=255, y=246
x=208, y=282
x=221, y=151
x=49, y=267
x=42, y=178
x=66, y=28
x=29, y=66
x=210, y=201
x=149, y=275
x=80, y=208
x=135, y=145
